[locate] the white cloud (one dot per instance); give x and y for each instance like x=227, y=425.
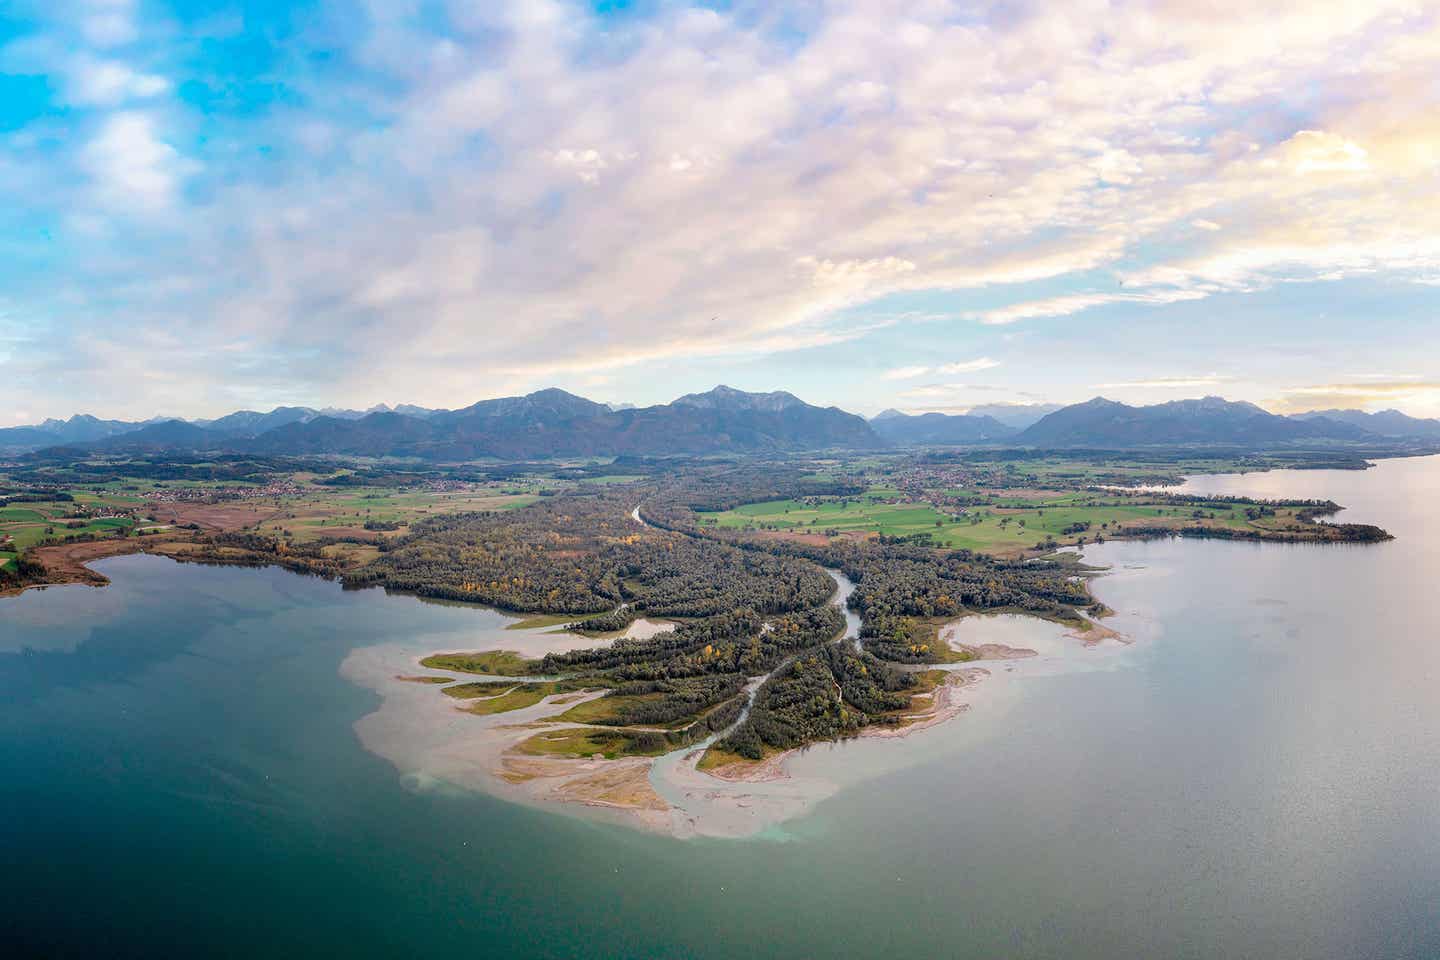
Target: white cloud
x=106, y=83
x=935, y=391
x=1317, y=151
x=1168, y=383
x=968, y=366
x=1064, y=306
x=108, y=23
x=540, y=192
x=587, y=164
x=1395, y=377
x=906, y=373
x=131, y=167
x=944, y=369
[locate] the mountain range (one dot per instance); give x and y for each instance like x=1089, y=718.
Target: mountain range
x=1386, y=423
x=547, y=423
x=939, y=429
x=554, y=423
x=1016, y=416
x=1211, y=420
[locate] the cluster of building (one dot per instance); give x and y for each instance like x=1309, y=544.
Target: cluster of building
x=271, y=490
x=916, y=484
x=446, y=486
x=98, y=512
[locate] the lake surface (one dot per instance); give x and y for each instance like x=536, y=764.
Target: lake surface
x=1257, y=774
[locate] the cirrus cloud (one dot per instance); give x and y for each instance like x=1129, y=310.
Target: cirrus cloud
x=944, y=369
x=488, y=196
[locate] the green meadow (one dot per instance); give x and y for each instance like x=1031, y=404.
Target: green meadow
x=31, y=523
x=1006, y=524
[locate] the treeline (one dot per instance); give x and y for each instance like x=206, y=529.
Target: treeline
x=1326, y=532
x=581, y=553
x=673, y=699
x=36, y=496
x=899, y=581
x=73, y=469
x=23, y=571
x=826, y=694
x=244, y=548
x=645, y=742
x=616, y=620
x=896, y=579
x=711, y=491
x=740, y=642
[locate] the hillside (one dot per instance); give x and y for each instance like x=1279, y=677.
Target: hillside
x=1016, y=416
x=1385, y=423
x=938, y=429
x=554, y=423
x=1211, y=420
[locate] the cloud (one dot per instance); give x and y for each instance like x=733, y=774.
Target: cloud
x=1394, y=378
x=130, y=166
x=945, y=391
x=1168, y=383
x=1318, y=151
x=443, y=207
x=1416, y=397
x=968, y=366
x=96, y=82
x=906, y=373
x=108, y=23
x=1064, y=306
x=944, y=369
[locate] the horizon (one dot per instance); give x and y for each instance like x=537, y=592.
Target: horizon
x=386, y=407
x=211, y=207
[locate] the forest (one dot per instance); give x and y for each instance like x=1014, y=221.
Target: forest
x=745, y=604
x=581, y=553
x=826, y=693
x=746, y=607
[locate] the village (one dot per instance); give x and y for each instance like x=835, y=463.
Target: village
x=215, y=494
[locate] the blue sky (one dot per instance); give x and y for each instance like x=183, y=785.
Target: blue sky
x=206, y=206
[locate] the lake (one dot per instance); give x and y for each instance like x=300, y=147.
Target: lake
x=1256, y=774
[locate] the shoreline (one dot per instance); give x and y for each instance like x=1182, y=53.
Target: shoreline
x=68, y=564
x=434, y=743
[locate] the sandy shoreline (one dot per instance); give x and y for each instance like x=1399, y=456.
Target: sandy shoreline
x=435, y=743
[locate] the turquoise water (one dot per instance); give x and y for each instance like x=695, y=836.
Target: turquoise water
x=1256, y=775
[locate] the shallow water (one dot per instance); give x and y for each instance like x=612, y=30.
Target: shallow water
x=1255, y=775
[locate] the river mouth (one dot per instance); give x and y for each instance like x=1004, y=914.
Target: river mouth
x=435, y=745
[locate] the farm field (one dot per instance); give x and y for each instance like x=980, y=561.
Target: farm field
x=330, y=512
x=307, y=511
x=1005, y=524
x=22, y=526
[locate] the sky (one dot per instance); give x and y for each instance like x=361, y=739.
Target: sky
x=924, y=205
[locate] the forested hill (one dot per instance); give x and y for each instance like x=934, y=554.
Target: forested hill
x=1211, y=420
x=547, y=423
x=940, y=429
x=553, y=423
